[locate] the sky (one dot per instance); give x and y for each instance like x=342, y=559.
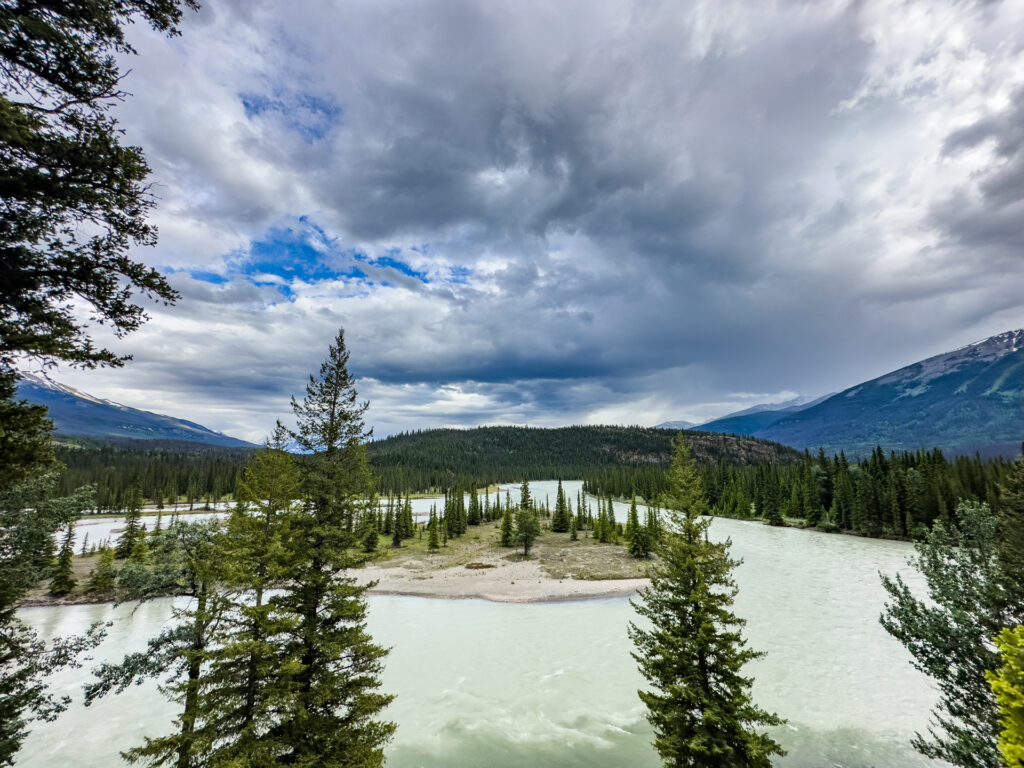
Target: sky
x=569, y=212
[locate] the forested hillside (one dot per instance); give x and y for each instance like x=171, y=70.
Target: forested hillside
x=168, y=470
x=881, y=495
x=162, y=470
x=441, y=458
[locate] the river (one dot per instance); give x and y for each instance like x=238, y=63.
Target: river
x=553, y=684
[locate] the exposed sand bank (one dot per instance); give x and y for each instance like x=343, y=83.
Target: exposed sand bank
x=522, y=581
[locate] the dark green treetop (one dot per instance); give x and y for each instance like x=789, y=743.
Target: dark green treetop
x=693, y=653
x=75, y=199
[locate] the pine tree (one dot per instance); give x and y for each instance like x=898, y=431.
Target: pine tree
x=433, y=542
x=63, y=580
x=527, y=529
x=573, y=535
x=408, y=526
x=507, y=532
x=370, y=539
x=132, y=525
x=248, y=681
x=560, y=520
x=525, y=501
x=103, y=577
x=179, y=655
x=602, y=529
x=333, y=719
x=473, y=516
x=637, y=541
x=700, y=705
x=950, y=634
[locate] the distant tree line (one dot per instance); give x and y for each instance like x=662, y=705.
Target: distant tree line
x=162, y=471
x=433, y=460
x=168, y=471
x=877, y=496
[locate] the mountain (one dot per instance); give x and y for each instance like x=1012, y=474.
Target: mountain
x=967, y=400
x=676, y=425
x=78, y=413
x=751, y=420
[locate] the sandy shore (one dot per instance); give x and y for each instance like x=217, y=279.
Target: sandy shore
x=505, y=582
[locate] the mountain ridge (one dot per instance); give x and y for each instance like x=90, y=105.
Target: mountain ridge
x=78, y=413
x=968, y=400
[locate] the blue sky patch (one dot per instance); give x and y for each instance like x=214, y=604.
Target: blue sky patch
x=306, y=253
x=309, y=115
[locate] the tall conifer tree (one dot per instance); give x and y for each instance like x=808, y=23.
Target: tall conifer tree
x=132, y=525
x=700, y=705
x=63, y=580
x=333, y=721
x=248, y=682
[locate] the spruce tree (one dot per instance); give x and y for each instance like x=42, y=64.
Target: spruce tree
x=527, y=529
x=560, y=520
x=700, y=704
x=473, y=516
x=638, y=541
x=433, y=541
x=333, y=719
x=370, y=539
x=248, y=681
x=602, y=527
x=132, y=525
x=408, y=525
x=179, y=655
x=950, y=634
x=63, y=580
x=525, y=501
x=507, y=531
x=653, y=527
x=103, y=576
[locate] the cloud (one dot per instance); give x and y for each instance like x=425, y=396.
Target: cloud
x=553, y=213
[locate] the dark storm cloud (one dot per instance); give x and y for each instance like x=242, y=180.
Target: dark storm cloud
x=580, y=211
x=988, y=209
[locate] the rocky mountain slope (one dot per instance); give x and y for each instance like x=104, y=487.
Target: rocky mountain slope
x=78, y=413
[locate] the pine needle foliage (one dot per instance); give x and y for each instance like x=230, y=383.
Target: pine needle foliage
x=691, y=650
x=332, y=721
x=950, y=634
x=63, y=580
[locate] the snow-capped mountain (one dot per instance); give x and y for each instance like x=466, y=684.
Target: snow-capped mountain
x=79, y=413
x=967, y=400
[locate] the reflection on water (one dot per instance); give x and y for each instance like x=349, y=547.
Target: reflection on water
x=486, y=684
